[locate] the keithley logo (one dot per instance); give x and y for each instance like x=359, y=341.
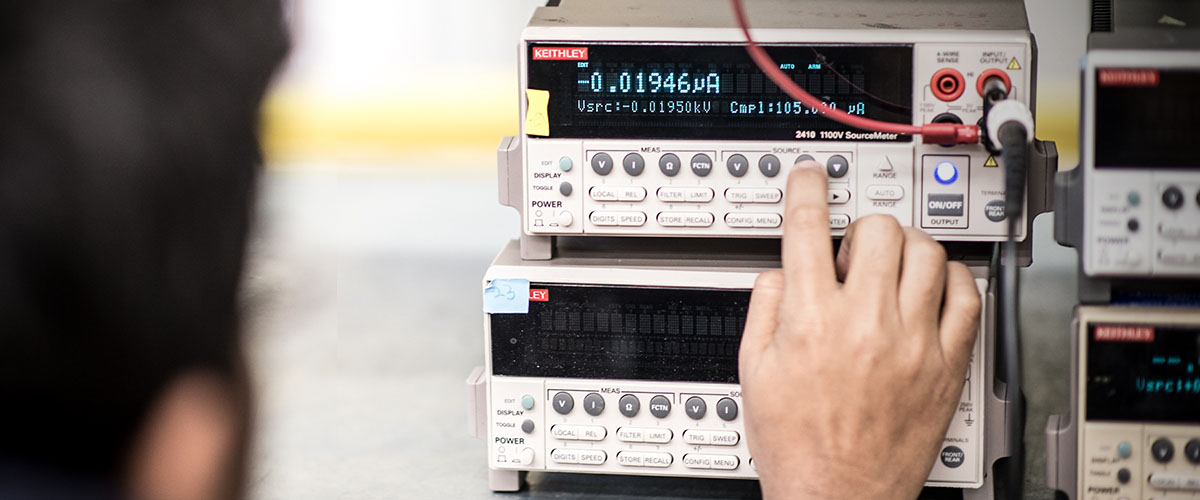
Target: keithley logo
x=1128, y=77
x=539, y=295
x=560, y=54
x=1124, y=333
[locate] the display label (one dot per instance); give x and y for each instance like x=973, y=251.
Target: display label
x=1146, y=118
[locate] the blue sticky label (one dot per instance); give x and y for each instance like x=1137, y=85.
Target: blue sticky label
x=506, y=296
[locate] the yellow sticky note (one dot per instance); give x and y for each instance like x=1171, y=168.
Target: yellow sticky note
x=537, y=122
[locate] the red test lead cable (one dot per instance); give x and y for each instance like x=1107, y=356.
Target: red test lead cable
x=931, y=133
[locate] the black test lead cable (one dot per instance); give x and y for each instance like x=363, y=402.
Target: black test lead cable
x=1009, y=132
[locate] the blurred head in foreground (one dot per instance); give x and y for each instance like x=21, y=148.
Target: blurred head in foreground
x=128, y=159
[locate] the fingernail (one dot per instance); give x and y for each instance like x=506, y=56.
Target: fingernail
x=807, y=164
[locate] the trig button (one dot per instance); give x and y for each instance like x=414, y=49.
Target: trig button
x=702, y=165
x=602, y=163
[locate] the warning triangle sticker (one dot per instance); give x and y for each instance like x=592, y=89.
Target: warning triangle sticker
x=991, y=162
x=1013, y=64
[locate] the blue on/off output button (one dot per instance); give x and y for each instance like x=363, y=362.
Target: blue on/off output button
x=945, y=173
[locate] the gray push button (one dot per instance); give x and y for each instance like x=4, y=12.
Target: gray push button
x=1192, y=451
x=945, y=205
x=701, y=165
x=563, y=403
x=1172, y=197
x=995, y=210
x=629, y=405
x=527, y=426
x=634, y=164
x=1163, y=450
x=738, y=165
x=769, y=165
x=660, y=406
x=602, y=163
x=804, y=158
x=565, y=188
x=695, y=407
x=837, y=166
x=727, y=409
x=669, y=164
x=593, y=404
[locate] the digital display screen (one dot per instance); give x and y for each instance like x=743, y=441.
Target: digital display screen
x=1143, y=372
x=617, y=332
x=716, y=92
x=1146, y=118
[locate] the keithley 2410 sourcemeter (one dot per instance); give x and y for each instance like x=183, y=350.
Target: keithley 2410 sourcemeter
x=650, y=119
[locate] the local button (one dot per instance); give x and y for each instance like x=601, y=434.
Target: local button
x=885, y=192
x=837, y=196
x=564, y=432
x=602, y=193
x=839, y=221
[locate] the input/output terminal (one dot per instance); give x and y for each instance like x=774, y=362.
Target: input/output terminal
x=947, y=84
x=993, y=73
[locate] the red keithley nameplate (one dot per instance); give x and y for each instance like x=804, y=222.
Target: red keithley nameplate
x=560, y=53
x=539, y=295
x=1128, y=77
x=1124, y=333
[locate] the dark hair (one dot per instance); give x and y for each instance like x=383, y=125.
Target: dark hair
x=128, y=159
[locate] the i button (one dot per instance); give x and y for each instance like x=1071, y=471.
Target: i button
x=946, y=173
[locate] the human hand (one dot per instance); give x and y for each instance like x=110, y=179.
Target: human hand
x=851, y=371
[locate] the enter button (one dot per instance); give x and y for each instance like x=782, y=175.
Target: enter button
x=888, y=193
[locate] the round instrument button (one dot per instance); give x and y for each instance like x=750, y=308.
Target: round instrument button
x=702, y=165
x=634, y=164
x=563, y=403
x=660, y=406
x=738, y=165
x=837, y=166
x=593, y=404
x=727, y=409
x=1124, y=476
x=1192, y=451
x=602, y=163
x=669, y=164
x=695, y=407
x=1172, y=197
x=629, y=405
x=1162, y=450
x=769, y=165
